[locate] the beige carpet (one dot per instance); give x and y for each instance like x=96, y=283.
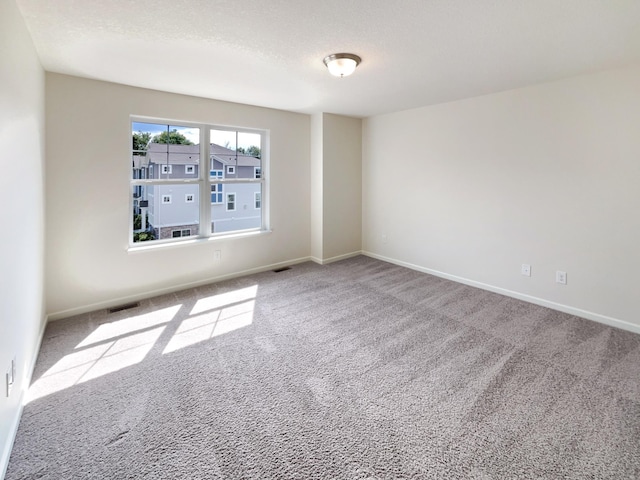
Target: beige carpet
x=355, y=370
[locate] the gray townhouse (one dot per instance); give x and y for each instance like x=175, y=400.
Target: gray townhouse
x=172, y=210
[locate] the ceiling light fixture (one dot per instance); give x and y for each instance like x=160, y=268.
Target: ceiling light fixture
x=342, y=64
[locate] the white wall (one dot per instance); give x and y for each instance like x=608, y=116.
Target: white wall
x=22, y=214
x=316, y=186
x=336, y=187
x=342, y=185
x=88, y=137
x=547, y=175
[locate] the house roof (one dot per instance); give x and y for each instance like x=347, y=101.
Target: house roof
x=162, y=153
x=173, y=154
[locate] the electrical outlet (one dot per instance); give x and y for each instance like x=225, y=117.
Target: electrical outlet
x=561, y=277
x=217, y=255
x=526, y=270
x=384, y=238
x=10, y=377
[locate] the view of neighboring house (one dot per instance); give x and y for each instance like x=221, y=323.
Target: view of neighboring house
x=172, y=210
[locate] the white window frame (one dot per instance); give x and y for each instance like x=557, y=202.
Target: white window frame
x=165, y=196
x=257, y=199
x=189, y=167
x=226, y=201
x=165, y=169
x=204, y=181
x=186, y=197
x=255, y=172
x=231, y=169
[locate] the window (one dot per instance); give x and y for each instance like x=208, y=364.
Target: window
x=181, y=233
x=233, y=177
x=216, y=193
x=216, y=188
x=231, y=202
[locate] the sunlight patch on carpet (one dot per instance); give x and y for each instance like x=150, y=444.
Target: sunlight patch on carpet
x=214, y=316
x=109, y=348
x=107, y=331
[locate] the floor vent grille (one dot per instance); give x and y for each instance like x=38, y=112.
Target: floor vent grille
x=283, y=269
x=126, y=306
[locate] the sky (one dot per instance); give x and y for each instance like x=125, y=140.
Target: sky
x=219, y=137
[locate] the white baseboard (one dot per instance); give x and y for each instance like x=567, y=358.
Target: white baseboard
x=596, y=317
x=174, y=288
x=337, y=258
x=7, y=444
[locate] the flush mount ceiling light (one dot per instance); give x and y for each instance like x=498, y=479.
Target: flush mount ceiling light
x=342, y=64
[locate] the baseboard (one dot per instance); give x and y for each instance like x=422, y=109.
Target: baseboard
x=174, y=288
x=7, y=445
x=337, y=258
x=596, y=317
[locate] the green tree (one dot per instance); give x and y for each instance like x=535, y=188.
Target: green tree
x=143, y=236
x=140, y=141
x=253, y=151
x=173, y=137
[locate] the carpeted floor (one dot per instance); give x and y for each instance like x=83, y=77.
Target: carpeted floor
x=355, y=370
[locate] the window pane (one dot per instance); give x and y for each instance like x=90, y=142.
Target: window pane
x=162, y=151
x=238, y=211
x=160, y=210
x=237, y=154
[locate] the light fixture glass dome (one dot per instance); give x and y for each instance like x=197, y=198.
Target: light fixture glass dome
x=342, y=64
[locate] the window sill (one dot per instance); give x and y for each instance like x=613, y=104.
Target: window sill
x=195, y=241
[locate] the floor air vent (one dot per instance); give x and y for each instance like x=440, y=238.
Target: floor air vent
x=127, y=306
x=283, y=269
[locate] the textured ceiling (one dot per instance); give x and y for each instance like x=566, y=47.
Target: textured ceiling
x=269, y=53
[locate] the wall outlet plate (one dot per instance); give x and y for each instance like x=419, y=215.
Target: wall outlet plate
x=561, y=277
x=526, y=270
x=11, y=376
x=9, y=384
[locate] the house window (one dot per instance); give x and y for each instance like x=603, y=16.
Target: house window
x=231, y=202
x=158, y=146
x=216, y=193
x=181, y=233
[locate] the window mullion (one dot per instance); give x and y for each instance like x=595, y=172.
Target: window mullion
x=205, y=183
